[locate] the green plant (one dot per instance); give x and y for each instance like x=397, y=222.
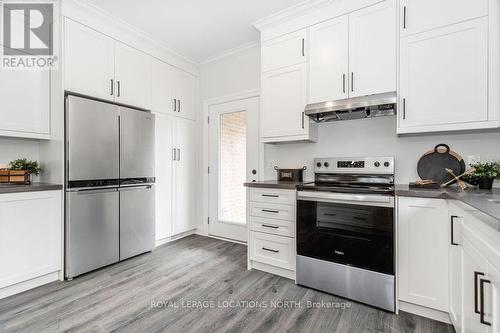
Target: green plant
x=32, y=167
x=488, y=170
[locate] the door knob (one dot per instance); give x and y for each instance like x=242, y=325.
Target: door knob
x=254, y=172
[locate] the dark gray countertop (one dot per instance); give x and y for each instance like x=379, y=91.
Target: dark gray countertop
x=34, y=187
x=275, y=184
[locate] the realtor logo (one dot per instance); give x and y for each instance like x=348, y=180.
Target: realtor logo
x=28, y=34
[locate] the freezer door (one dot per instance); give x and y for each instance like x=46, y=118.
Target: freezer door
x=137, y=140
x=92, y=139
x=137, y=223
x=92, y=230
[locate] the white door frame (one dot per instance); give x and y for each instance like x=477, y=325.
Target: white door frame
x=206, y=106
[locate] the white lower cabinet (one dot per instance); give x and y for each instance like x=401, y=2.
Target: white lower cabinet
x=30, y=240
x=271, y=239
x=423, y=252
x=175, y=170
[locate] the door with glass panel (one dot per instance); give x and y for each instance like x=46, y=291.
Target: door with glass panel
x=234, y=160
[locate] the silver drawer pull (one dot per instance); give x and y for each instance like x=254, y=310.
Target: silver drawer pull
x=271, y=211
x=270, y=250
x=270, y=226
x=270, y=195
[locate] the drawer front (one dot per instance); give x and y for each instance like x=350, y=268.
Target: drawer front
x=272, y=250
x=270, y=195
x=272, y=211
x=272, y=226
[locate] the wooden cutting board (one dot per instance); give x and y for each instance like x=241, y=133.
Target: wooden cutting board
x=433, y=164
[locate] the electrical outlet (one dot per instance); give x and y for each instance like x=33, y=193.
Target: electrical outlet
x=474, y=159
x=271, y=164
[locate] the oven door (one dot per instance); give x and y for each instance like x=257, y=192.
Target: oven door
x=355, y=230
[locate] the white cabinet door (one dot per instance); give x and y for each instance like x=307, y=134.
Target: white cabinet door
x=30, y=236
x=164, y=174
x=455, y=276
x=494, y=318
x=132, y=75
x=373, y=49
x=25, y=106
x=422, y=15
x=329, y=60
x=163, y=81
x=184, y=176
x=475, y=267
x=444, y=76
x=283, y=102
x=284, y=51
x=423, y=239
x=88, y=61
x=185, y=88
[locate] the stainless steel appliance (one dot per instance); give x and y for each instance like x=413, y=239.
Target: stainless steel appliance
x=345, y=230
x=109, y=184
x=376, y=105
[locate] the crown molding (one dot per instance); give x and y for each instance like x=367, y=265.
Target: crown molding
x=230, y=52
x=290, y=13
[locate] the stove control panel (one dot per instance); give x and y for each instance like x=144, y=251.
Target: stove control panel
x=353, y=165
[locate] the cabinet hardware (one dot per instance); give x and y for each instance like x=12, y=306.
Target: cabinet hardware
x=178, y=154
x=119, y=90
x=174, y=154
x=352, y=81
x=404, y=17
x=303, y=48
x=270, y=250
x=271, y=195
x=175, y=105
x=179, y=105
x=343, y=83
x=112, y=87
x=303, y=114
x=271, y=211
x=481, y=307
x=452, y=224
x=476, y=274
x=404, y=108
x=270, y=226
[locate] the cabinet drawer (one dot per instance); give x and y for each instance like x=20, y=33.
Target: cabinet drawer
x=272, y=250
x=277, y=196
x=272, y=211
x=272, y=226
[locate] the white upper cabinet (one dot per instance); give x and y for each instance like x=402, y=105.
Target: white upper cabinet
x=284, y=51
x=132, y=75
x=185, y=88
x=373, y=49
x=329, y=60
x=423, y=252
x=421, y=15
x=162, y=87
x=89, y=63
x=25, y=103
x=283, y=103
x=444, y=78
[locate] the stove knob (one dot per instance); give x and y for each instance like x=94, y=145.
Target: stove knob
x=377, y=164
x=318, y=164
x=387, y=164
x=327, y=164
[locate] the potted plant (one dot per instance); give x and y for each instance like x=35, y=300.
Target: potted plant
x=25, y=168
x=484, y=174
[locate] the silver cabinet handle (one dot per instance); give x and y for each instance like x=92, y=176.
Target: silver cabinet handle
x=271, y=211
x=352, y=81
x=343, y=83
x=303, y=114
x=178, y=154
x=303, y=47
x=112, y=87
x=271, y=195
x=404, y=108
x=174, y=154
x=270, y=250
x=404, y=17
x=175, y=105
x=119, y=89
x=270, y=226
x=179, y=108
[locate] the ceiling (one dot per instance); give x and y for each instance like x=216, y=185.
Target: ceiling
x=197, y=29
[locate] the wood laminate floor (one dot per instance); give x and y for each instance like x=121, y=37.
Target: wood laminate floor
x=196, y=284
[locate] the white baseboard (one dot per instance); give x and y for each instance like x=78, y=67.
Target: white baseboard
x=29, y=284
x=425, y=312
x=226, y=239
x=172, y=238
x=271, y=269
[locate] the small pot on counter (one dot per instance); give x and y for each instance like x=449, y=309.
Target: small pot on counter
x=290, y=175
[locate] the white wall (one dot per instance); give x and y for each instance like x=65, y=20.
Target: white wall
x=14, y=148
x=376, y=137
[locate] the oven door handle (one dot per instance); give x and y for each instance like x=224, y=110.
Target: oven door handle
x=384, y=200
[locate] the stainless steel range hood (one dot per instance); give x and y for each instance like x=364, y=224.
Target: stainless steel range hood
x=370, y=106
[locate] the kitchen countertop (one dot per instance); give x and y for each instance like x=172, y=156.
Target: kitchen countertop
x=33, y=187
x=485, y=201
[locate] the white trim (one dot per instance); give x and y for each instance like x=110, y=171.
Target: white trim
x=227, y=239
x=29, y=284
x=166, y=240
x=230, y=52
x=203, y=230
x=425, y=312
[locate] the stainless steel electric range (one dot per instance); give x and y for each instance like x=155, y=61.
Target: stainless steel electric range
x=345, y=230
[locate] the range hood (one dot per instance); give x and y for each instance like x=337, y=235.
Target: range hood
x=370, y=106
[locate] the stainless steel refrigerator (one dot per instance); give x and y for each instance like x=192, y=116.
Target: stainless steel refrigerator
x=110, y=208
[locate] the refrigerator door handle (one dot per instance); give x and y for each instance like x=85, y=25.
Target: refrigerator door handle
x=89, y=190
x=134, y=187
